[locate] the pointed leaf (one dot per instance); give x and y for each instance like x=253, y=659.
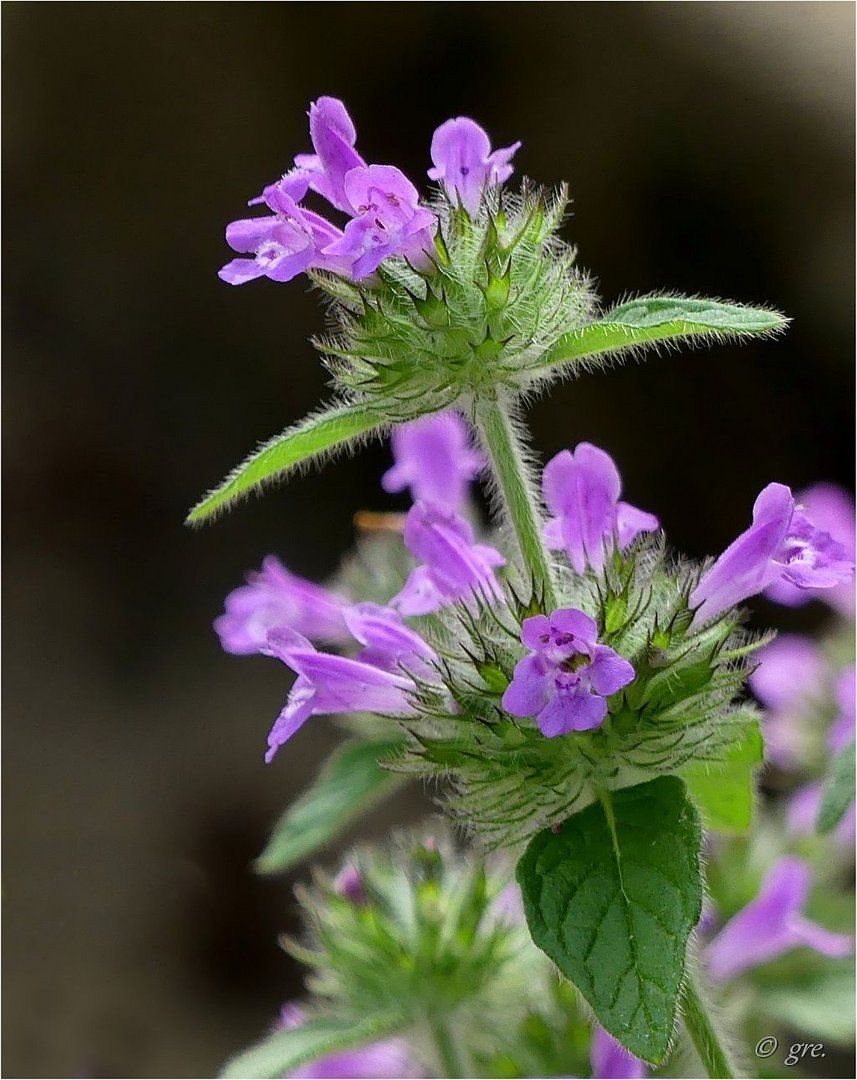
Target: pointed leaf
x=838, y=790
x=612, y=898
x=724, y=791
x=284, y=1051
x=653, y=319
x=349, y=784
x=311, y=437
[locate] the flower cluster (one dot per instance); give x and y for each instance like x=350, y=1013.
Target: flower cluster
x=386, y=219
x=416, y=931
x=642, y=659
x=566, y=681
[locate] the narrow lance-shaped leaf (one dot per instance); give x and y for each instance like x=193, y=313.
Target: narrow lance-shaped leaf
x=284, y=1051
x=838, y=791
x=723, y=791
x=612, y=898
x=349, y=784
x=310, y=438
x=653, y=319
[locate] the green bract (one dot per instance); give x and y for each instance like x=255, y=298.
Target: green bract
x=434, y=943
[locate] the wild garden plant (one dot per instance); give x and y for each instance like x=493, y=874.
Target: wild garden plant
x=608, y=893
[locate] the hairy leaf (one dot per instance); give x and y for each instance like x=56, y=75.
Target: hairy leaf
x=653, y=319
x=284, y=1051
x=311, y=437
x=350, y=782
x=612, y=898
x=838, y=790
x=723, y=791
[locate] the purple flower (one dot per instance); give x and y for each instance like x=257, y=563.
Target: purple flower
x=453, y=568
x=842, y=729
x=331, y=684
x=382, y=203
x=582, y=490
x=349, y=884
x=802, y=816
x=434, y=458
x=831, y=508
x=389, y=644
x=611, y=1061
x=790, y=677
x=333, y=137
x=377, y=1061
x=282, y=246
x=772, y=924
x=781, y=543
x=464, y=163
x=388, y=220
x=272, y=599
x=567, y=676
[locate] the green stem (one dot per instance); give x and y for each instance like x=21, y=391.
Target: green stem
x=448, y=1056
x=697, y=1020
x=509, y=462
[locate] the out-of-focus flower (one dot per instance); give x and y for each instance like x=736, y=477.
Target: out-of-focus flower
x=274, y=598
x=349, y=883
x=454, y=567
x=611, y=1061
x=464, y=163
x=773, y=924
x=388, y=1058
x=781, y=543
x=434, y=458
x=582, y=490
x=329, y=684
x=790, y=683
x=802, y=815
x=831, y=509
x=567, y=676
x=842, y=729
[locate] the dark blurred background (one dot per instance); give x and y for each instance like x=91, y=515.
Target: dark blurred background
x=709, y=150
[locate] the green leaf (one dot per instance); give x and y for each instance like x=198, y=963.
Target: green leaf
x=284, y=1051
x=724, y=791
x=838, y=790
x=652, y=319
x=349, y=784
x=311, y=437
x=612, y=898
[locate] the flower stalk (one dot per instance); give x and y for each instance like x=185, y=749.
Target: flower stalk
x=508, y=457
x=700, y=1025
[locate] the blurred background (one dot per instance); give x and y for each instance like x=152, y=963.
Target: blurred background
x=709, y=149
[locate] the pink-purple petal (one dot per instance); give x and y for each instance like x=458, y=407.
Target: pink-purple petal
x=529, y=690
x=608, y=671
x=611, y=1061
x=771, y=925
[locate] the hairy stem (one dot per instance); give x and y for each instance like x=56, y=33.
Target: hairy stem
x=516, y=487
x=448, y=1057
x=698, y=1022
